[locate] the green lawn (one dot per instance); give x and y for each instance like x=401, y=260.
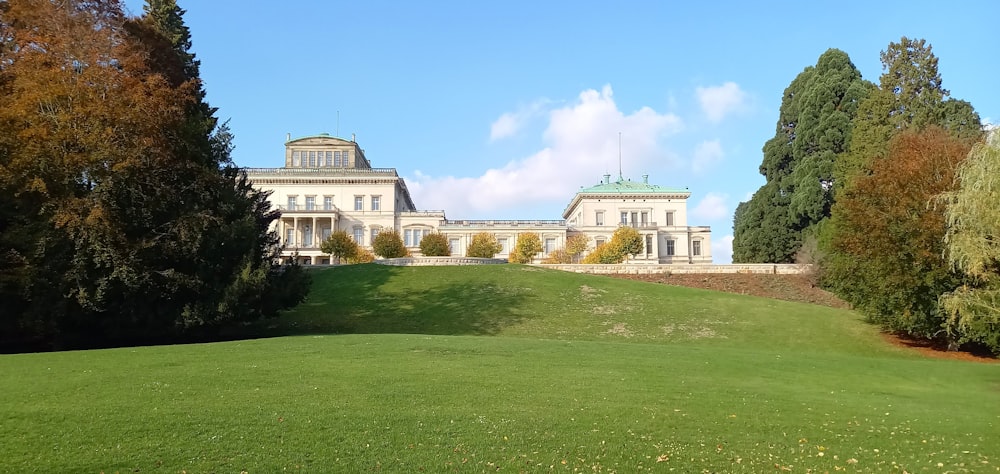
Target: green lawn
x=508, y=368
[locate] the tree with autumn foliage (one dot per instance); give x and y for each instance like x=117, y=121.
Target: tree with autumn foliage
x=125, y=220
x=527, y=246
x=973, y=247
x=483, y=245
x=889, y=244
x=340, y=245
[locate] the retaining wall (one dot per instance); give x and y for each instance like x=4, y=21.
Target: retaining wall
x=645, y=269
x=435, y=261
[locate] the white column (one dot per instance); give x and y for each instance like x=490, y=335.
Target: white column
x=316, y=234
x=295, y=231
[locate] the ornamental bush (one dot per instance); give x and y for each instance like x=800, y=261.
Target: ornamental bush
x=435, y=245
x=388, y=244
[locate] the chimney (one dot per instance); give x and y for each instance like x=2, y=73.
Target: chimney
x=645, y=179
x=354, y=138
x=288, y=137
x=607, y=179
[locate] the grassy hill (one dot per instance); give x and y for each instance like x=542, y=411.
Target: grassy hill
x=508, y=368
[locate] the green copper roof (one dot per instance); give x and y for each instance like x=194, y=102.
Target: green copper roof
x=624, y=186
x=318, y=135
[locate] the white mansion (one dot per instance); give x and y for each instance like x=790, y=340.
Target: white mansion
x=327, y=184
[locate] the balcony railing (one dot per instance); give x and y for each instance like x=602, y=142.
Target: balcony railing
x=502, y=223
x=306, y=208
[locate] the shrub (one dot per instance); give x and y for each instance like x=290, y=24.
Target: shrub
x=388, y=244
x=435, y=245
x=559, y=256
x=604, y=254
x=528, y=244
x=363, y=256
x=484, y=245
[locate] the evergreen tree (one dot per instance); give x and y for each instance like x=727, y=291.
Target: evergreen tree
x=812, y=133
x=910, y=95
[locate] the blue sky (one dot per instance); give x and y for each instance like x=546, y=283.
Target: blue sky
x=502, y=110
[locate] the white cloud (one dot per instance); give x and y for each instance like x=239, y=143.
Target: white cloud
x=505, y=126
x=706, y=155
x=719, y=101
x=581, y=144
x=508, y=124
x=722, y=250
x=711, y=207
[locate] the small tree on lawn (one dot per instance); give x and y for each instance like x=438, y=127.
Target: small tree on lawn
x=363, y=256
x=627, y=241
x=435, y=245
x=388, y=244
x=576, y=244
x=484, y=245
x=606, y=253
x=527, y=246
x=339, y=245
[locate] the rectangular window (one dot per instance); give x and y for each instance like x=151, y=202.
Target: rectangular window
x=307, y=237
x=670, y=247
x=600, y=217
x=291, y=203
x=376, y=203
x=312, y=159
x=336, y=159
x=344, y=156
x=375, y=233
x=503, y=245
x=550, y=246
x=649, y=245
x=296, y=159
x=598, y=241
x=670, y=218
x=453, y=246
x=645, y=219
x=329, y=158
x=359, y=203
x=327, y=203
x=624, y=220
x=290, y=237
x=310, y=203
x=326, y=233
x=634, y=218
x=696, y=247
x=408, y=237
x=359, y=234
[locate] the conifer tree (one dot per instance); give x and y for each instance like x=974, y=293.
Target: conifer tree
x=812, y=133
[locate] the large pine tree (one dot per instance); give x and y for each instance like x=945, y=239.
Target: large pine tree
x=812, y=133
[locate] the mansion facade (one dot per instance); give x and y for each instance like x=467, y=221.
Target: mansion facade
x=327, y=184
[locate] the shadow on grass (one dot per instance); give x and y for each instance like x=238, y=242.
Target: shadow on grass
x=377, y=299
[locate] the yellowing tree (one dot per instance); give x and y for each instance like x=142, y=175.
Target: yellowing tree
x=576, y=244
x=973, y=247
x=340, y=245
x=483, y=245
x=528, y=245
